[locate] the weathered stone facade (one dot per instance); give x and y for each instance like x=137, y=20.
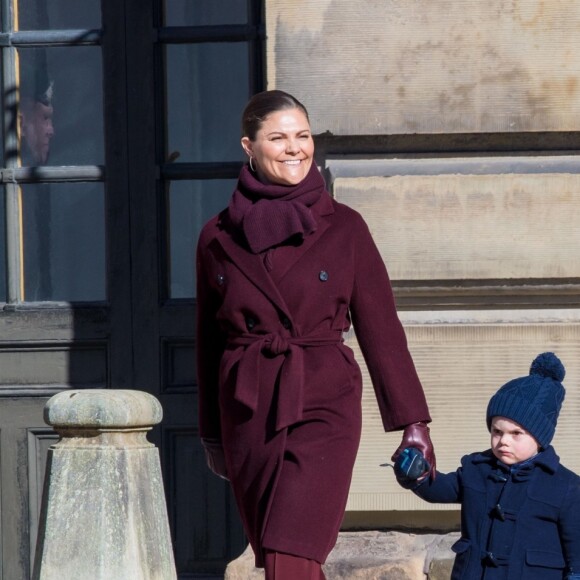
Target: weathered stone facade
x=449, y=127
x=394, y=67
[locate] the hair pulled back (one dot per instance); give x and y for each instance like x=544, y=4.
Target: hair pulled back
x=263, y=104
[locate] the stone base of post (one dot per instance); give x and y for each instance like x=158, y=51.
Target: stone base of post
x=103, y=514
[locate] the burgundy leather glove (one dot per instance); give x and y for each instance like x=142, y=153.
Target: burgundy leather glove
x=417, y=435
x=215, y=457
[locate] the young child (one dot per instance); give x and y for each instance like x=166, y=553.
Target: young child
x=520, y=508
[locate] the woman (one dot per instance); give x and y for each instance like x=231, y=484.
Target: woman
x=281, y=272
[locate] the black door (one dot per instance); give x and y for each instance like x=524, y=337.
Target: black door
x=119, y=139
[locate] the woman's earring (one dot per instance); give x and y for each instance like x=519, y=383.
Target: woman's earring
x=251, y=166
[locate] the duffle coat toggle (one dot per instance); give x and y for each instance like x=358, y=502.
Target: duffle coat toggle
x=498, y=512
x=291, y=390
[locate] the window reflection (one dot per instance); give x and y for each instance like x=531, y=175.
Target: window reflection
x=205, y=12
x=35, y=108
x=207, y=88
x=58, y=14
x=63, y=241
x=60, y=107
x=2, y=247
x=191, y=205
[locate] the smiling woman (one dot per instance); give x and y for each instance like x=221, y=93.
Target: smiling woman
x=282, y=149
x=280, y=274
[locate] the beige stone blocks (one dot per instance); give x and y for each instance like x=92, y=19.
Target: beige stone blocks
x=394, y=67
x=471, y=227
x=462, y=359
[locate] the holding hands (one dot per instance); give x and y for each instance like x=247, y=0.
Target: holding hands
x=416, y=435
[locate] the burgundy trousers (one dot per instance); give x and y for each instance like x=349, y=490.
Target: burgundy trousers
x=279, y=566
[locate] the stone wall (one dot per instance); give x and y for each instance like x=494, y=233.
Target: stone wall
x=450, y=126
x=393, y=67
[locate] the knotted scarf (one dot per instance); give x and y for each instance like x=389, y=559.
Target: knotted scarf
x=269, y=214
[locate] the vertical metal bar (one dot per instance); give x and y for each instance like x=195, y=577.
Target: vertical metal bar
x=13, y=245
x=257, y=47
x=10, y=136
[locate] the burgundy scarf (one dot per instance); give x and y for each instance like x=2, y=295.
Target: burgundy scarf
x=269, y=214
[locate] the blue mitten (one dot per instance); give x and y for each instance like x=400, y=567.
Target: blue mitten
x=410, y=466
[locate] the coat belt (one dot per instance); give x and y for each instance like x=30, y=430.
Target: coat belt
x=291, y=392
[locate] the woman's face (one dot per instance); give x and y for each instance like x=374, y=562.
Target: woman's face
x=283, y=148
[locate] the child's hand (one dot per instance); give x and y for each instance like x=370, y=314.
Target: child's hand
x=417, y=435
x=410, y=466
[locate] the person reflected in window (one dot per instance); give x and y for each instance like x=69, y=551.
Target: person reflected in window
x=35, y=113
x=281, y=273
x=36, y=132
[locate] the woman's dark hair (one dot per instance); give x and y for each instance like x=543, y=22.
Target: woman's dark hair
x=263, y=104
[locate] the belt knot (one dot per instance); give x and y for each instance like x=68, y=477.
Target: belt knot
x=276, y=344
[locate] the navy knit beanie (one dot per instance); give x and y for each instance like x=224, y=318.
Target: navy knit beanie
x=533, y=401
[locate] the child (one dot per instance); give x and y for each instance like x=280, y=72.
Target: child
x=520, y=509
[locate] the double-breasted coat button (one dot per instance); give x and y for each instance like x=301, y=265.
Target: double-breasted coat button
x=250, y=323
x=323, y=275
x=286, y=323
x=220, y=279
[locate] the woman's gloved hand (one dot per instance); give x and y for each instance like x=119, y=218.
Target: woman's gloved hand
x=215, y=457
x=417, y=435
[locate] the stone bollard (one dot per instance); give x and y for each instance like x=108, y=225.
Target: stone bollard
x=103, y=511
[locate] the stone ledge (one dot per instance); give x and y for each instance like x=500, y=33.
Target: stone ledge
x=373, y=555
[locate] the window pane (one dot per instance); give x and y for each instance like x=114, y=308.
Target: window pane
x=205, y=12
x=2, y=247
x=61, y=106
x=64, y=241
x=58, y=14
x=191, y=205
x=207, y=89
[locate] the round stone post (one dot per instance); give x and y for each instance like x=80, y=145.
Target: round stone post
x=103, y=511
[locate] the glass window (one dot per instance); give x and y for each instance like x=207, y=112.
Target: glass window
x=191, y=205
x=2, y=247
x=63, y=241
x=61, y=106
x=205, y=12
x=207, y=89
x=58, y=14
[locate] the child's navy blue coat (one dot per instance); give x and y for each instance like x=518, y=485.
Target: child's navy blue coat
x=518, y=523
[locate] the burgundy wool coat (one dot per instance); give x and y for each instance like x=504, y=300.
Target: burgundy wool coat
x=276, y=382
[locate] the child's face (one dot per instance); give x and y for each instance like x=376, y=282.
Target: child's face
x=510, y=442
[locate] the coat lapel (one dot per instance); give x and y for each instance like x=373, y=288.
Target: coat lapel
x=323, y=208
x=284, y=266
x=253, y=268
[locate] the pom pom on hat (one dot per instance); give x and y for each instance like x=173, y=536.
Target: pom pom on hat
x=533, y=401
x=548, y=364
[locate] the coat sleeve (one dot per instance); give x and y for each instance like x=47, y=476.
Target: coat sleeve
x=381, y=336
x=210, y=344
x=569, y=528
x=444, y=488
